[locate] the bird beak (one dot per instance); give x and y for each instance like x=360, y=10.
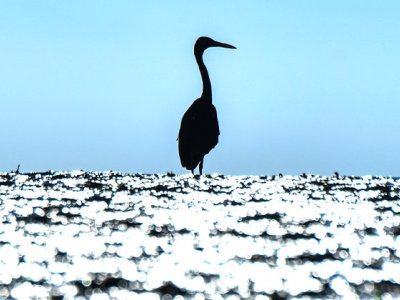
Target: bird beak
x=223, y=45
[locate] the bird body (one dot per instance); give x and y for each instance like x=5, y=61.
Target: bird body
x=199, y=130
x=199, y=134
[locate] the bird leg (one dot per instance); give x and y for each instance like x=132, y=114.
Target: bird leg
x=201, y=166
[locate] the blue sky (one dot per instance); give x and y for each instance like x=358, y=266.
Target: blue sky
x=314, y=86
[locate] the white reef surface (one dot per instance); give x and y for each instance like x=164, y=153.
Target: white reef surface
x=107, y=235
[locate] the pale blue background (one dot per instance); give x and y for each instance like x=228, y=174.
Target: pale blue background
x=314, y=86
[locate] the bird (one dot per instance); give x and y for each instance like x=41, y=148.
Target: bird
x=199, y=130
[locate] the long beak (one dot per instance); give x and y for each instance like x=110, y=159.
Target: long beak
x=223, y=45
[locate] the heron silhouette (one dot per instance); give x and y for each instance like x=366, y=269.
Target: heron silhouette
x=199, y=129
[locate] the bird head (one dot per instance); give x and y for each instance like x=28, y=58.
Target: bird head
x=204, y=42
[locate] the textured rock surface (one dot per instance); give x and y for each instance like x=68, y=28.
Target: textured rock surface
x=111, y=235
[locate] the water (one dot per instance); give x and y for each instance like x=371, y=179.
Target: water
x=108, y=235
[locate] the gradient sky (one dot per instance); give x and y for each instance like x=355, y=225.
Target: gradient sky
x=314, y=86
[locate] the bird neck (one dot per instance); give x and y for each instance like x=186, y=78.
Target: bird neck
x=206, y=95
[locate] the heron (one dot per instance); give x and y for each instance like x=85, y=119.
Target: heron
x=199, y=130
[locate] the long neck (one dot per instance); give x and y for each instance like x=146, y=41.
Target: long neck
x=206, y=95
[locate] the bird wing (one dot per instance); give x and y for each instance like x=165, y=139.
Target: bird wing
x=187, y=141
